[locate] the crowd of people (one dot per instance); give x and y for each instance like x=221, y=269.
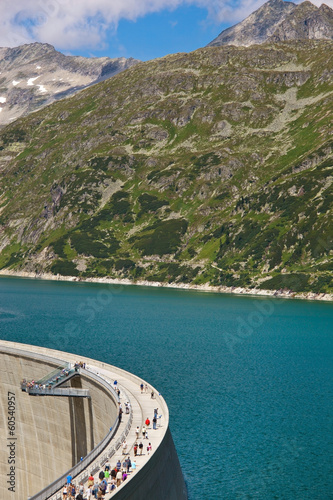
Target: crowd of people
x=107, y=481
x=79, y=364
x=26, y=385
x=111, y=478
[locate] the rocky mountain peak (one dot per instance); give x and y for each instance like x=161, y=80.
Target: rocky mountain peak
x=306, y=21
x=34, y=75
x=278, y=20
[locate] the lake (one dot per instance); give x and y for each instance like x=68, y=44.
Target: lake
x=248, y=380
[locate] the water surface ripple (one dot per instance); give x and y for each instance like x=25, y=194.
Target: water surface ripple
x=248, y=381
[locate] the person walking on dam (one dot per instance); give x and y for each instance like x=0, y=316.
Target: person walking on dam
x=64, y=492
x=119, y=477
x=94, y=489
x=88, y=493
x=128, y=464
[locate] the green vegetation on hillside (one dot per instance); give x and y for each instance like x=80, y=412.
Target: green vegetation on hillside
x=214, y=166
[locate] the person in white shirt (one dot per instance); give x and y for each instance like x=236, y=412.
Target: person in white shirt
x=119, y=477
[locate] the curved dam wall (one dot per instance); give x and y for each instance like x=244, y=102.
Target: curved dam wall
x=161, y=477
x=50, y=433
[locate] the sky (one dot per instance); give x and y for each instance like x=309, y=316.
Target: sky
x=143, y=29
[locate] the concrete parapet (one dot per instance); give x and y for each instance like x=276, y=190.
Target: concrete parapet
x=53, y=433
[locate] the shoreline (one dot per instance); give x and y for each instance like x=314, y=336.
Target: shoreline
x=285, y=294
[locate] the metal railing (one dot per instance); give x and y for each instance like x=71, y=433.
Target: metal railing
x=59, y=391
x=54, y=373
x=99, y=462
x=57, y=379
x=95, y=465
x=96, y=458
x=53, y=490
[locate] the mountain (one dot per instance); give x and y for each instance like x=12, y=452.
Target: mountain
x=306, y=22
x=276, y=21
x=209, y=167
x=34, y=75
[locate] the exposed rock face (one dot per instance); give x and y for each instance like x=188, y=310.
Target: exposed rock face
x=35, y=74
x=214, y=166
x=306, y=22
x=278, y=21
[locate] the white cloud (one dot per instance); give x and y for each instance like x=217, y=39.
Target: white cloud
x=72, y=24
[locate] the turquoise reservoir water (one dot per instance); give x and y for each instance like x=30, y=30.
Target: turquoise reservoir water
x=248, y=380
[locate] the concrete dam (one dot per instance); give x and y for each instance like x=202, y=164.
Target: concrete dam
x=75, y=426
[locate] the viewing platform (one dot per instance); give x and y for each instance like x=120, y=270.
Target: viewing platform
x=50, y=385
x=78, y=436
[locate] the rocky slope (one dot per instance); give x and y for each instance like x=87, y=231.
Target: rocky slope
x=276, y=21
x=210, y=167
x=34, y=75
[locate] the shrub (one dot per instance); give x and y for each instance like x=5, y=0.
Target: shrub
x=85, y=245
x=124, y=264
x=58, y=246
x=296, y=282
x=163, y=237
x=150, y=203
x=64, y=267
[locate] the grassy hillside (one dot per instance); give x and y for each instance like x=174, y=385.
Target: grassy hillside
x=214, y=166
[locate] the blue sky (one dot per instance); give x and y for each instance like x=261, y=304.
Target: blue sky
x=143, y=29
x=158, y=34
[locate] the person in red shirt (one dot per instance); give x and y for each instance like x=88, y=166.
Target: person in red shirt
x=147, y=422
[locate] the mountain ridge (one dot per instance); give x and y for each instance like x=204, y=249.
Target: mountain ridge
x=34, y=75
x=210, y=167
x=278, y=20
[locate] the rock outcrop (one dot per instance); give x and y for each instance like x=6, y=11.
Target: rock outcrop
x=210, y=167
x=277, y=21
x=34, y=75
